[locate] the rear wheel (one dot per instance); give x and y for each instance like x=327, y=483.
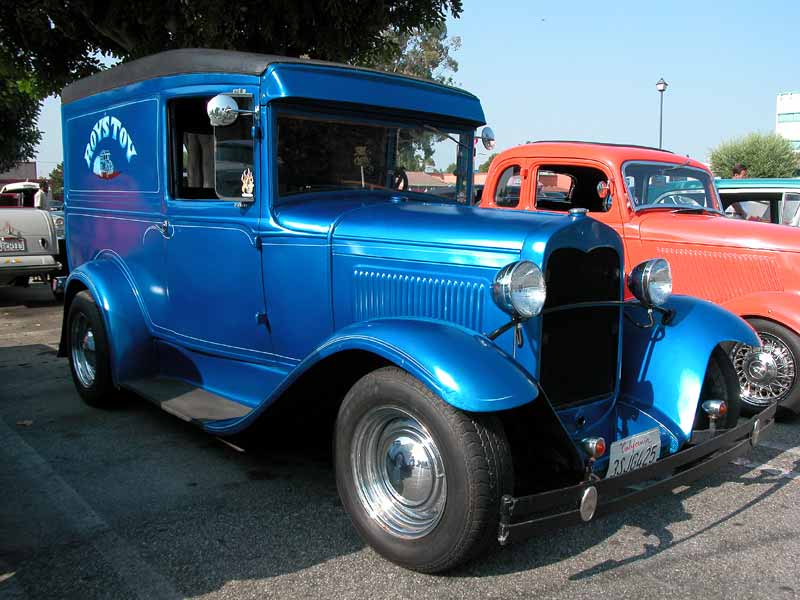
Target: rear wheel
x=89, y=358
x=768, y=374
x=720, y=383
x=421, y=480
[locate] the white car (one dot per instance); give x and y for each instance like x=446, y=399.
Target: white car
x=28, y=241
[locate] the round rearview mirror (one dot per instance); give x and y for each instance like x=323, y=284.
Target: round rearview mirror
x=222, y=110
x=487, y=137
x=602, y=190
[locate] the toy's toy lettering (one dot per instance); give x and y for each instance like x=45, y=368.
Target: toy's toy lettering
x=109, y=127
x=115, y=125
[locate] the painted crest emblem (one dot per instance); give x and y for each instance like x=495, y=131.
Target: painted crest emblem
x=108, y=137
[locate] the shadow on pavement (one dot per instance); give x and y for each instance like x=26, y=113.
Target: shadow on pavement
x=34, y=296
x=203, y=514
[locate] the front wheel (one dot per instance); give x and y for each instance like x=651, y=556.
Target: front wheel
x=768, y=374
x=422, y=481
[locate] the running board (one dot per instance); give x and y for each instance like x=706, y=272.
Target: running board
x=187, y=402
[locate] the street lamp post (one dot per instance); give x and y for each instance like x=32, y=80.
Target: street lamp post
x=661, y=86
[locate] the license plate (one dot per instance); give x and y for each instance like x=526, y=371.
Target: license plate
x=634, y=452
x=12, y=245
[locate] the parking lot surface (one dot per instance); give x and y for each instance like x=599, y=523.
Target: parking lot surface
x=134, y=503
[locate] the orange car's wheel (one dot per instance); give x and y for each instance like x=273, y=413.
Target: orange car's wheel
x=768, y=374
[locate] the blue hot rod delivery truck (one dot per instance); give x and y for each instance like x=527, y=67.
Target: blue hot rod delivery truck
x=239, y=225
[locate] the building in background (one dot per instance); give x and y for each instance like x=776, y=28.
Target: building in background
x=787, y=117
x=23, y=171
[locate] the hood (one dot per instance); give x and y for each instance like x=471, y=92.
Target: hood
x=372, y=219
x=716, y=230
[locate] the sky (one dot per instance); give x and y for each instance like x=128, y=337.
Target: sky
x=588, y=70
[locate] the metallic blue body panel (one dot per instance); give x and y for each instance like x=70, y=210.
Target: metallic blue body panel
x=663, y=367
x=114, y=293
x=460, y=366
x=331, y=84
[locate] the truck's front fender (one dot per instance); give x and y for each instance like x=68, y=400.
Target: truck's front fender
x=115, y=296
x=461, y=366
x=663, y=367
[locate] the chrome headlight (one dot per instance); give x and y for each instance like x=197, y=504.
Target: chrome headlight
x=519, y=289
x=651, y=282
x=59, y=221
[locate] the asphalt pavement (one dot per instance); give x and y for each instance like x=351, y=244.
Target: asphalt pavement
x=134, y=503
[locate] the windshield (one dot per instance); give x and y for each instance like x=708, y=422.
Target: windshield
x=325, y=153
x=667, y=185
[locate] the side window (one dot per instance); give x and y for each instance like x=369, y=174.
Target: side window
x=554, y=190
x=750, y=210
x=506, y=193
x=561, y=187
x=790, y=215
x=209, y=163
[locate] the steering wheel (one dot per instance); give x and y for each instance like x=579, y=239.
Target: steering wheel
x=400, y=181
x=677, y=200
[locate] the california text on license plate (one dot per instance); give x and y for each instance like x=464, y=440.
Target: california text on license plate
x=634, y=452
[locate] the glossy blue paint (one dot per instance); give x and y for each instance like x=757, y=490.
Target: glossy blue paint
x=664, y=366
x=114, y=293
x=331, y=84
x=243, y=300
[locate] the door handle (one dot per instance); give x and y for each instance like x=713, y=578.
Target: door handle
x=165, y=229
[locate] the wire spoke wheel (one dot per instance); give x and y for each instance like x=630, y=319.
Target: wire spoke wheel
x=766, y=374
x=399, y=472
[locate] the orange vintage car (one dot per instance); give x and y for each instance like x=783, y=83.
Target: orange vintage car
x=666, y=205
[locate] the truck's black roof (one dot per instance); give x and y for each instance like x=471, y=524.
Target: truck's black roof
x=186, y=61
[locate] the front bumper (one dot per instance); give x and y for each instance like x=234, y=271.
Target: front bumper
x=529, y=515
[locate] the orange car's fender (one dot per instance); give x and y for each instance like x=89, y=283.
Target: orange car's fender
x=781, y=307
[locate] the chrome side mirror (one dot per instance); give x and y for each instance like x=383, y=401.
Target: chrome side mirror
x=487, y=137
x=604, y=193
x=222, y=110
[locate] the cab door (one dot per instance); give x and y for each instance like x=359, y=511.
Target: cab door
x=216, y=296
x=558, y=185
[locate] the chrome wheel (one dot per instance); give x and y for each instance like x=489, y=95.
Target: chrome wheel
x=766, y=374
x=398, y=472
x=82, y=349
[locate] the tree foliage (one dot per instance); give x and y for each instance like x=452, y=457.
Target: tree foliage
x=764, y=155
x=423, y=52
x=484, y=167
x=47, y=44
x=19, y=135
x=56, y=178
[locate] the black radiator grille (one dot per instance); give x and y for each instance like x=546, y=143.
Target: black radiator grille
x=578, y=360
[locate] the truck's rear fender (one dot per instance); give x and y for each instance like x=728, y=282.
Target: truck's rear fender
x=663, y=367
x=113, y=291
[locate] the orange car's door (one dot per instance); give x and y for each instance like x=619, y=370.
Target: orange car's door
x=552, y=178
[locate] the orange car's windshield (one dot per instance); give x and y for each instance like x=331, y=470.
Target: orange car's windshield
x=668, y=185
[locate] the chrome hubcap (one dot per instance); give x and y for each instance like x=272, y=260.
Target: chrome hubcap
x=82, y=349
x=766, y=374
x=399, y=473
